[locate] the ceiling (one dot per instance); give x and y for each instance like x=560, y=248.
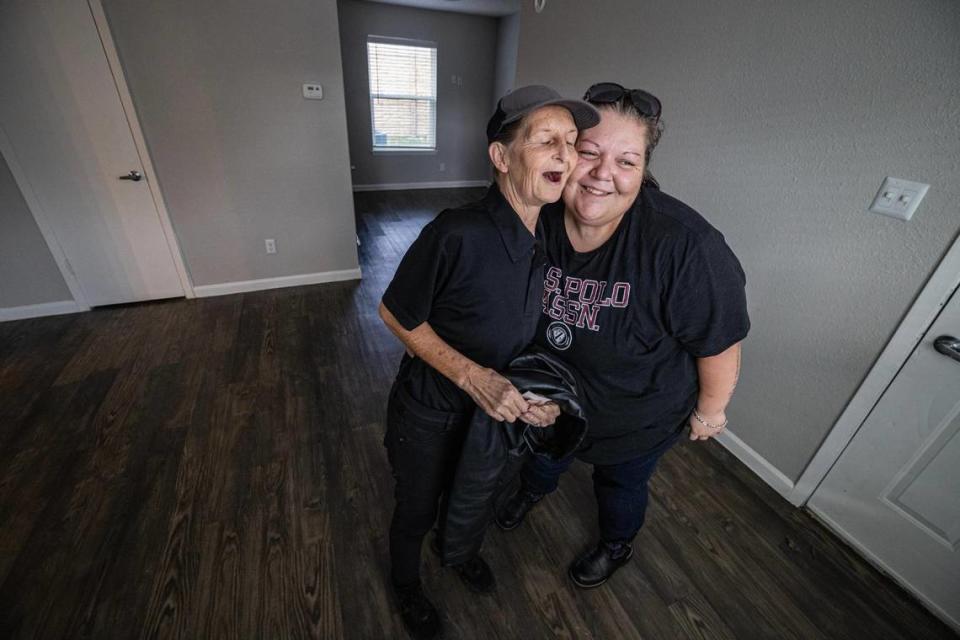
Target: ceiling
x=476, y=7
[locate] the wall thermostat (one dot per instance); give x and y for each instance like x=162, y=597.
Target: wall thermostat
x=313, y=91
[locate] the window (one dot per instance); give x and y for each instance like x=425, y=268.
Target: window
x=403, y=94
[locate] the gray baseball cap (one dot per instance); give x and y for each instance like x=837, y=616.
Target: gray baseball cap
x=524, y=100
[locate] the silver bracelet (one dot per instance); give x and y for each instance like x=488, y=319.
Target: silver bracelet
x=700, y=419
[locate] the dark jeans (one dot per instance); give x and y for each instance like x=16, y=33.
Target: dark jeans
x=423, y=446
x=620, y=489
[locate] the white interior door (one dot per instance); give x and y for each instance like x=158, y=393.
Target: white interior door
x=64, y=120
x=895, y=491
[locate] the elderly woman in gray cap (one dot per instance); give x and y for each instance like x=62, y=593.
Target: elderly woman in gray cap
x=464, y=301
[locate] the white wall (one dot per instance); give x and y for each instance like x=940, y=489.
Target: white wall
x=240, y=155
x=28, y=273
x=782, y=120
x=466, y=46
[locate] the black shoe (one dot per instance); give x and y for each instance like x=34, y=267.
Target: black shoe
x=594, y=567
x=419, y=615
x=475, y=572
x=511, y=513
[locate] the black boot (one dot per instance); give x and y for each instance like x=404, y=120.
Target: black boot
x=594, y=567
x=475, y=572
x=511, y=513
x=419, y=615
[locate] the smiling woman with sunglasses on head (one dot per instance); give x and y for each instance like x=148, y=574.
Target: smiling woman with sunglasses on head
x=647, y=301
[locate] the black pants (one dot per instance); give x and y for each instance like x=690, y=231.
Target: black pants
x=620, y=489
x=423, y=446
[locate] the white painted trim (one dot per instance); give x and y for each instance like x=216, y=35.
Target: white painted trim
x=40, y=310
x=405, y=186
x=40, y=217
x=401, y=151
x=878, y=562
x=757, y=463
x=227, y=288
x=921, y=315
x=140, y=143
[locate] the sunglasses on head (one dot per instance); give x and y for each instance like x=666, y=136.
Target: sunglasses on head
x=610, y=92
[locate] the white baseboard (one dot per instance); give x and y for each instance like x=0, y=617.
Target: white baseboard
x=758, y=464
x=40, y=310
x=226, y=288
x=405, y=186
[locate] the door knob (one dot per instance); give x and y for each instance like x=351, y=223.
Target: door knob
x=136, y=176
x=948, y=346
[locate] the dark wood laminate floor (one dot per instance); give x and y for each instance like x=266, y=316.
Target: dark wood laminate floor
x=213, y=469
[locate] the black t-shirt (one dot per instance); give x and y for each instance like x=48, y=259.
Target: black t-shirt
x=475, y=274
x=632, y=315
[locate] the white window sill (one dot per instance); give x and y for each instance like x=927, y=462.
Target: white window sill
x=403, y=151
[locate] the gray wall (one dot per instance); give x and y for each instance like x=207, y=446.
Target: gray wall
x=466, y=46
x=28, y=273
x=782, y=120
x=240, y=155
x=508, y=41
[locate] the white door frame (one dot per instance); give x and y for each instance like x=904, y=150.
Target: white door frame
x=935, y=294
x=116, y=69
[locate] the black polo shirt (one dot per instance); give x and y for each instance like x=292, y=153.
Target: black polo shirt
x=475, y=274
x=633, y=315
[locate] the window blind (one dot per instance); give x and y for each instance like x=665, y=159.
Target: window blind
x=403, y=94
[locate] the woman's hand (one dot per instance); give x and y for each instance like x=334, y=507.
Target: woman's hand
x=541, y=415
x=492, y=392
x=495, y=394
x=700, y=431
x=718, y=378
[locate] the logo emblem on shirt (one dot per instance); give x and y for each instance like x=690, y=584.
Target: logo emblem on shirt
x=578, y=302
x=559, y=336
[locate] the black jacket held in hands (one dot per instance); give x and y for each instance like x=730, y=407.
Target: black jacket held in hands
x=490, y=448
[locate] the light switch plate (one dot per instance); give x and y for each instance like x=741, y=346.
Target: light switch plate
x=313, y=91
x=899, y=198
